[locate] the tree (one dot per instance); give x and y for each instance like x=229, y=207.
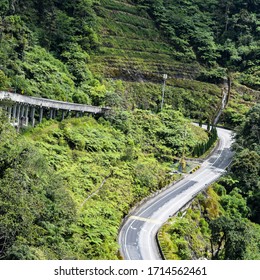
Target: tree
x=234, y=204
x=4, y=7
x=228, y=238
x=35, y=209
x=248, y=135
x=246, y=169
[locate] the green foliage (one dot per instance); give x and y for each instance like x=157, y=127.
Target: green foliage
x=7, y=140
x=187, y=236
x=65, y=31
x=164, y=134
x=214, y=227
x=90, y=40
x=4, y=6
x=36, y=210
x=80, y=177
x=233, y=116
x=200, y=149
x=4, y=81
x=234, y=204
x=249, y=135
x=62, y=22
x=76, y=59
x=65, y=187
x=213, y=32
x=232, y=231
x=46, y=76
x=246, y=169
x=229, y=213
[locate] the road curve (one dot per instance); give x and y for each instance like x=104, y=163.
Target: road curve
x=137, y=236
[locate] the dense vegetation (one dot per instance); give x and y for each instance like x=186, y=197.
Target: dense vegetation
x=65, y=187
x=224, y=33
x=70, y=50
x=224, y=222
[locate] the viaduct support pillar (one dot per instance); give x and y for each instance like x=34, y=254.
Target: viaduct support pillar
x=22, y=115
x=51, y=113
x=18, y=117
x=63, y=115
x=32, y=116
x=41, y=114
x=26, y=115
x=9, y=113
x=14, y=113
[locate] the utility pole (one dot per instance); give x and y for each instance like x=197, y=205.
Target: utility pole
x=183, y=161
x=165, y=76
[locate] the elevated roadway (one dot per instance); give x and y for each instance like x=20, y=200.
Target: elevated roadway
x=49, y=103
x=23, y=109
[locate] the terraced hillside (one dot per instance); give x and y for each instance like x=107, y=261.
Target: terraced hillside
x=132, y=47
x=134, y=50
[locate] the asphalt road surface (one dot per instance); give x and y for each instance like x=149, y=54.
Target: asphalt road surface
x=137, y=237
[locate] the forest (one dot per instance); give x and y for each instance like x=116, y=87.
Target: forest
x=66, y=186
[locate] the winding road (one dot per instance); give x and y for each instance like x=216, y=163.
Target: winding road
x=137, y=237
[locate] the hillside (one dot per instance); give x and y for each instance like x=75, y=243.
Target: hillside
x=107, y=52
x=65, y=187
x=140, y=43
x=132, y=47
x=134, y=51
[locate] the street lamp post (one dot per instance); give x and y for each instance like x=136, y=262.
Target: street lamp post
x=163, y=89
x=183, y=161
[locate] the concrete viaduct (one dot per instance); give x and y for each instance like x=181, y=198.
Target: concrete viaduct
x=24, y=110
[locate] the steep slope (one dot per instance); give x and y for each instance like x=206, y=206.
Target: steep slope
x=132, y=48
x=48, y=49
x=137, y=48
x=224, y=222
x=66, y=186
x=134, y=51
